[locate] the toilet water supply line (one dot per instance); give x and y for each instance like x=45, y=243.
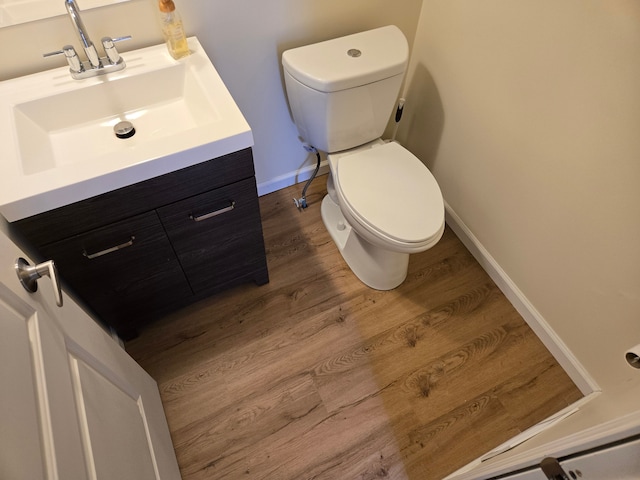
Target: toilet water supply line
x=301, y=202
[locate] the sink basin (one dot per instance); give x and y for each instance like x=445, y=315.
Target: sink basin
x=62, y=147
x=77, y=126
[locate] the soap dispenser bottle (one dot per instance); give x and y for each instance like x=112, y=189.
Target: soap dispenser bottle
x=172, y=29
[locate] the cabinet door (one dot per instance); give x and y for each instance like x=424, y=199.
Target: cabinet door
x=126, y=272
x=218, y=237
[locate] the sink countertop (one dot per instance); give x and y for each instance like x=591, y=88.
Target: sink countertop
x=25, y=192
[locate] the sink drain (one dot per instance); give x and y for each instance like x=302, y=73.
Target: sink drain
x=124, y=129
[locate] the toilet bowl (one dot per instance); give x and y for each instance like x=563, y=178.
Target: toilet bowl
x=382, y=205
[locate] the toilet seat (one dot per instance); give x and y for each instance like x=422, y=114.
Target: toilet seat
x=392, y=195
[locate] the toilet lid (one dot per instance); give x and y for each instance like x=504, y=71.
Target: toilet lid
x=391, y=191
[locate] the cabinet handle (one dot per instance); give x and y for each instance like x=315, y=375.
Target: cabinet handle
x=91, y=256
x=199, y=218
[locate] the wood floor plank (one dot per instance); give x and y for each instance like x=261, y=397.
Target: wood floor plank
x=290, y=407
x=457, y=437
x=325, y=447
x=531, y=384
x=315, y=375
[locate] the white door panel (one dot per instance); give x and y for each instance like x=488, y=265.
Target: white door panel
x=73, y=405
x=116, y=431
x=18, y=400
x=36, y=356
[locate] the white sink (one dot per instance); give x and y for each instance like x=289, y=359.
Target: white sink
x=59, y=141
x=76, y=126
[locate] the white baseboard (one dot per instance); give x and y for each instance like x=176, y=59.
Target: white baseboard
x=534, y=319
x=291, y=178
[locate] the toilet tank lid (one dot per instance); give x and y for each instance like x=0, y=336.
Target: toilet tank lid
x=329, y=66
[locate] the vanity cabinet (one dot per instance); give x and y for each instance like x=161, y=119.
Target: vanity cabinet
x=138, y=252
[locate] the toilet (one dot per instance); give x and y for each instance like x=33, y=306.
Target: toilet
x=382, y=202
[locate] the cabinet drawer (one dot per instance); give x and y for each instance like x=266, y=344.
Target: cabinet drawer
x=218, y=236
x=135, y=199
x=126, y=272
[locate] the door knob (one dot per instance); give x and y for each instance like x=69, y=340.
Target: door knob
x=29, y=275
x=552, y=469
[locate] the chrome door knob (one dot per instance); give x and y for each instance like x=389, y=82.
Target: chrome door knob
x=29, y=275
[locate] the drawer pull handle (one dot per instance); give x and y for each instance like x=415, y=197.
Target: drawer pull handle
x=91, y=256
x=199, y=218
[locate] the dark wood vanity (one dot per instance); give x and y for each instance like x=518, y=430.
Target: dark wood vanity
x=138, y=252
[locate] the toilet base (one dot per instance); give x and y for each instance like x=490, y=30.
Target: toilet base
x=375, y=267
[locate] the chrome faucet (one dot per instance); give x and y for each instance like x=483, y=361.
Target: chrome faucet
x=96, y=65
x=76, y=19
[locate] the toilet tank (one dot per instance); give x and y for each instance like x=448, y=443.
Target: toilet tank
x=342, y=91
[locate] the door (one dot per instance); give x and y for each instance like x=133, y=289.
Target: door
x=73, y=404
x=617, y=461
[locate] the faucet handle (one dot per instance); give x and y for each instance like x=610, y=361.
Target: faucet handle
x=121, y=39
x=110, y=48
x=75, y=65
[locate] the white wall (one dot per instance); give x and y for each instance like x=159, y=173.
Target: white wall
x=246, y=38
x=243, y=38
x=528, y=114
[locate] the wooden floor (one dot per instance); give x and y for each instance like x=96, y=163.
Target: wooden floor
x=316, y=376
